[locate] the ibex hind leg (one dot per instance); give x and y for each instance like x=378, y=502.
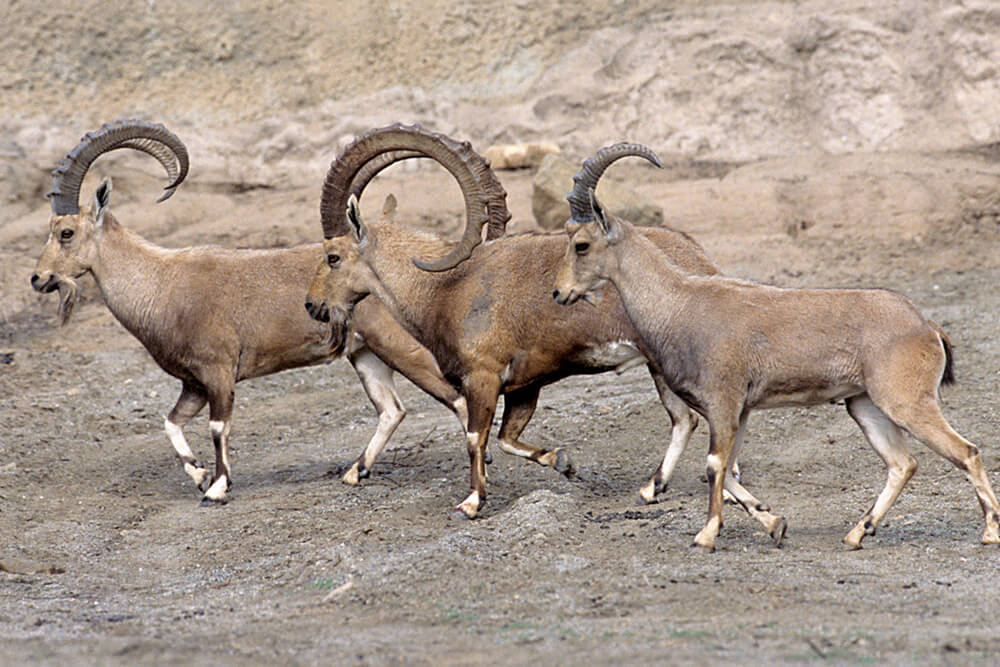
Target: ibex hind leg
x=220, y=403
x=923, y=419
x=377, y=379
x=889, y=441
x=519, y=407
x=189, y=404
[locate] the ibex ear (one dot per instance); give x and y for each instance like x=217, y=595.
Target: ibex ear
x=389, y=207
x=608, y=224
x=355, y=223
x=102, y=197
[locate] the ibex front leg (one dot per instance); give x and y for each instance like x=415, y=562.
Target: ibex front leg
x=482, y=392
x=190, y=403
x=737, y=494
x=724, y=425
x=377, y=380
x=220, y=405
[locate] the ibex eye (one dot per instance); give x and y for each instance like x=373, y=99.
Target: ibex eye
x=582, y=248
x=333, y=260
x=66, y=234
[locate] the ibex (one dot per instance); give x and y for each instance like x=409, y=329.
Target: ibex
x=730, y=346
x=488, y=321
x=211, y=316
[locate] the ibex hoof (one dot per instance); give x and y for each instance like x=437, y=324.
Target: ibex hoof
x=704, y=548
x=852, y=542
x=355, y=474
x=459, y=514
x=647, y=494
x=351, y=477
x=211, y=502
x=202, y=481
x=778, y=532
x=488, y=459
x=563, y=463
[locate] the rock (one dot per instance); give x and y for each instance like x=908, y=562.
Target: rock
x=553, y=182
x=25, y=566
x=519, y=156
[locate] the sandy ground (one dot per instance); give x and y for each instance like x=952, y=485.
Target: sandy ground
x=108, y=558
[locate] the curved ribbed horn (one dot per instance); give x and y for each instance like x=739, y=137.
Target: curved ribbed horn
x=151, y=138
x=496, y=207
x=350, y=173
x=593, y=168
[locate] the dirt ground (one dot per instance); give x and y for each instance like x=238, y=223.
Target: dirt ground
x=108, y=558
x=806, y=144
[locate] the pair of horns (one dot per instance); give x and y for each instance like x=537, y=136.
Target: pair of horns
x=151, y=138
x=349, y=174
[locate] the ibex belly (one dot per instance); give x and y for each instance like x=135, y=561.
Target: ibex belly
x=808, y=396
x=619, y=355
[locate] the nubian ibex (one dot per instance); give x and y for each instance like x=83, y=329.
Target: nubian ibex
x=212, y=316
x=732, y=346
x=484, y=311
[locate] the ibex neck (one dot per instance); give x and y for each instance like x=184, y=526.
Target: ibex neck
x=405, y=289
x=653, y=290
x=131, y=274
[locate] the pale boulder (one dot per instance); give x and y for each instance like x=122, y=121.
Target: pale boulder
x=554, y=180
x=519, y=156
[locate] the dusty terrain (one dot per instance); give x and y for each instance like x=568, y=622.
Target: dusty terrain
x=820, y=144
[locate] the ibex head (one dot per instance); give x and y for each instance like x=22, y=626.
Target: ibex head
x=74, y=235
x=343, y=277
x=591, y=230
x=586, y=266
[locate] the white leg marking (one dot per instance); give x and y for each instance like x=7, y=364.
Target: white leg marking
x=176, y=435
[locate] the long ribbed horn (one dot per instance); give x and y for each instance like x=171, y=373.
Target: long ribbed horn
x=151, y=138
x=593, y=168
x=484, y=197
x=496, y=207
